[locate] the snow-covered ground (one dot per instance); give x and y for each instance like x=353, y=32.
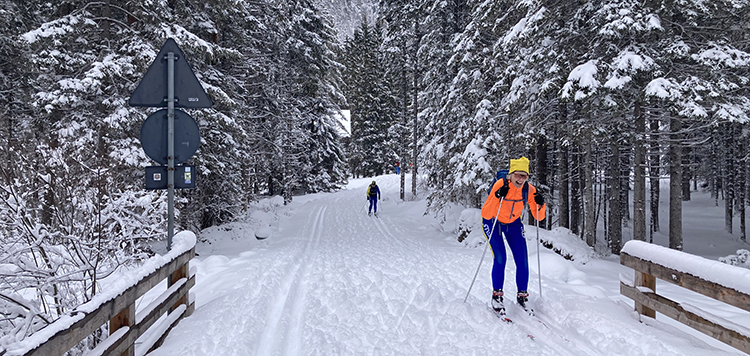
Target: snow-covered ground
x=330, y=280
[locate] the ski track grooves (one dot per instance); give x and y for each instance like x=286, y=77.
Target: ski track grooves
x=384, y=231
x=292, y=293
x=569, y=337
x=549, y=335
x=410, y=250
x=381, y=226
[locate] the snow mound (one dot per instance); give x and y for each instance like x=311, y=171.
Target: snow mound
x=263, y=233
x=566, y=244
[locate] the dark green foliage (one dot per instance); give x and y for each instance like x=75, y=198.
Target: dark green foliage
x=374, y=140
x=73, y=207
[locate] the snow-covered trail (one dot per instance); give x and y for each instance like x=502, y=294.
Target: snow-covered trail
x=334, y=281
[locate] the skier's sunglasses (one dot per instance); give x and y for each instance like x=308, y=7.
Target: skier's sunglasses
x=520, y=176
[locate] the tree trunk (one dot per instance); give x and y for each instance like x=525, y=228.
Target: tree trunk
x=589, y=206
x=675, y=184
x=741, y=179
x=416, y=109
x=728, y=176
x=10, y=117
x=639, y=182
x=654, y=173
x=105, y=23
x=745, y=190
x=575, y=194
x=563, y=202
x=625, y=182
x=563, y=169
x=687, y=175
x=405, y=119
x=615, y=216
x=713, y=178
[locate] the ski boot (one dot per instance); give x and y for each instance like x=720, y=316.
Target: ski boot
x=369, y=213
x=497, y=301
x=523, y=298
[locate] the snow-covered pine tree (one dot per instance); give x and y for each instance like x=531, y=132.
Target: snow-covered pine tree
x=704, y=58
x=467, y=125
x=318, y=84
x=19, y=200
x=443, y=23
x=402, y=27
x=591, y=67
x=369, y=98
x=76, y=215
x=84, y=60
x=626, y=58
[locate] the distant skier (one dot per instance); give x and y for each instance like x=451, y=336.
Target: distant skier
x=373, y=195
x=398, y=167
x=508, y=201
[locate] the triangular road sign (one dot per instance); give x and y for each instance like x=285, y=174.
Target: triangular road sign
x=152, y=90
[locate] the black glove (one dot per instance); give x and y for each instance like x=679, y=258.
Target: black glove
x=502, y=192
x=538, y=199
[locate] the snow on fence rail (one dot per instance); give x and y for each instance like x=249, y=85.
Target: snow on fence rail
x=117, y=306
x=720, y=281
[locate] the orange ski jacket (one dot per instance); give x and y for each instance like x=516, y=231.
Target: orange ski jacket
x=512, y=206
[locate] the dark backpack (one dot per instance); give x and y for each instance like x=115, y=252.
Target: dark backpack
x=503, y=173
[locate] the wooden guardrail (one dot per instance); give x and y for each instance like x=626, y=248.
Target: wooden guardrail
x=720, y=281
x=117, y=307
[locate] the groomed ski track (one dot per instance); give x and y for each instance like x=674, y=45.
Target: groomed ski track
x=335, y=281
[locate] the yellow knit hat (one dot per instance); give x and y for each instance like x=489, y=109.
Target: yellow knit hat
x=519, y=165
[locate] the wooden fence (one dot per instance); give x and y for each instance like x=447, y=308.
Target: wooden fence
x=651, y=261
x=125, y=326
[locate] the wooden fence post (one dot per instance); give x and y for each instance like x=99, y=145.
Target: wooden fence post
x=124, y=318
x=178, y=274
x=645, y=280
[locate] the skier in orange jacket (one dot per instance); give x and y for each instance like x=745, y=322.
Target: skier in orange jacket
x=501, y=215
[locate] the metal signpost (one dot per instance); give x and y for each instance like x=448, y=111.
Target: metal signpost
x=170, y=149
x=170, y=82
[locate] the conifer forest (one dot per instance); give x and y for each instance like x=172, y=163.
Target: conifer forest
x=607, y=98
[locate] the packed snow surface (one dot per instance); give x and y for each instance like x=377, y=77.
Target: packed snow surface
x=331, y=280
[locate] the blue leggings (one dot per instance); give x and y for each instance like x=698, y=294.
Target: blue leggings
x=514, y=234
x=373, y=203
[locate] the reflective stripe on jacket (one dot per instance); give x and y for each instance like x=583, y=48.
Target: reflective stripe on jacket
x=512, y=207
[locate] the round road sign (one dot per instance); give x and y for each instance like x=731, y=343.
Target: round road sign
x=154, y=136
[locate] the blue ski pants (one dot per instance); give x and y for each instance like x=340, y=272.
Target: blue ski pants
x=514, y=234
x=373, y=203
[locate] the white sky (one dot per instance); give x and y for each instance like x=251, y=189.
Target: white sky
x=329, y=280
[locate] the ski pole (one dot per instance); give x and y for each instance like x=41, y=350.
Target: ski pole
x=485, y=249
x=538, y=252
